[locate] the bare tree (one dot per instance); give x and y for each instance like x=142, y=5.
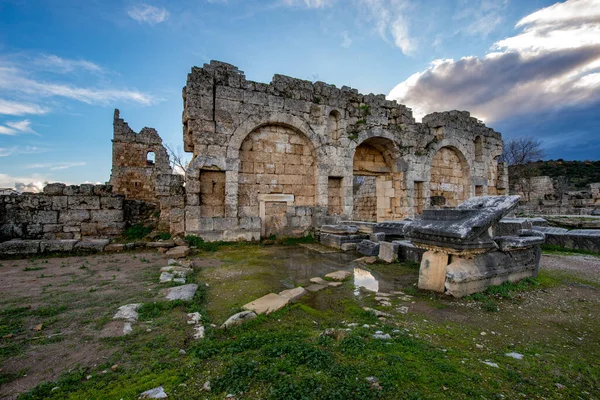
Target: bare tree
x=178, y=158
x=519, y=151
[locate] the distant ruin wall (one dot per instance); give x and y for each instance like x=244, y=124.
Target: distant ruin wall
x=544, y=195
x=68, y=212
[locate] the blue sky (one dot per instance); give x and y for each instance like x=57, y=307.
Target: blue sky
x=525, y=67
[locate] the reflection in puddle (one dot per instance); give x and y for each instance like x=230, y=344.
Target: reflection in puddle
x=364, y=279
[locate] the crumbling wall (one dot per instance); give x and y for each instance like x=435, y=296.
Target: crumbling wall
x=137, y=161
x=63, y=212
x=224, y=113
x=547, y=196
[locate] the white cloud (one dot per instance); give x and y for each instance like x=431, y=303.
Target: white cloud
x=480, y=17
x=15, y=79
x=390, y=22
x=308, y=3
x=32, y=183
x=63, y=65
x=346, y=40
x=23, y=126
x=145, y=13
x=15, y=150
x=16, y=108
x=551, y=64
x=55, y=166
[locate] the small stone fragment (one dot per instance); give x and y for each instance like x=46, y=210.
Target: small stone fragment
x=516, y=356
x=193, y=318
x=377, y=312
x=491, y=364
x=127, y=329
x=156, y=393
x=114, y=367
x=238, y=319
x=402, y=309
x=381, y=336
x=205, y=387
x=38, y=327
x=178, y=252
x=128, y=312
x=182, y=352
x=199, y=332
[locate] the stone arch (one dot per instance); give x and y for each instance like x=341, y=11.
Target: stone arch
x=276, y=118
x=449, y=180
x=277, y=177
x=150, y=157
x=377, y=181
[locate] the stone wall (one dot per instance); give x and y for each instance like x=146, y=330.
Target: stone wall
x=544, y=195
x=137, y=160
x=287, y=149
x=63, y=212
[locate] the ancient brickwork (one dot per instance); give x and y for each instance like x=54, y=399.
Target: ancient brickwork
x=63, y=212
x=138, y=159
x=290, y=150
x=365, y=199
x=547, y=196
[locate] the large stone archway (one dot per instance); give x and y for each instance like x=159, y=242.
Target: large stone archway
x=277, y=179
x=376, y=182
x=449, y=183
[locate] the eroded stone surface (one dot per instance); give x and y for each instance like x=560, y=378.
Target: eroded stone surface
x=238, y=319
x=293, y=294
x=267, y=304
x=184, y=292
x=178, y=252
x=315, y=287
x=338, y=275
x=128, y=312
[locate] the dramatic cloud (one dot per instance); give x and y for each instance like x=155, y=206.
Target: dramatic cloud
x=34, y=183
x=390, y=22
x=55, y=166
x=16, y=108
x=145, y=13
x=553, y=63
x=15, y=79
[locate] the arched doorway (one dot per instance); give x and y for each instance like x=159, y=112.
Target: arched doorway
x=449, y=183
x=376, y=183
x=277, y=179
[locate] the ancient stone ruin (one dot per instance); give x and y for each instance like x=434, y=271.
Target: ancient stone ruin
x=286, y=157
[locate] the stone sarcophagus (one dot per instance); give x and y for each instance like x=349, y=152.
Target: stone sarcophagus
x=462, y=255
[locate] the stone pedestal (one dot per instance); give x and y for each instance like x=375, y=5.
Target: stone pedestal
x=432, y=274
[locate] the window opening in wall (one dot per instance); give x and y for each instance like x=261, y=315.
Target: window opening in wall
x=478, y=148
x=478, y=190
x=333, y=124
x=150, y=158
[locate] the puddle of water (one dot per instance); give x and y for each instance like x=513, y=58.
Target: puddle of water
x=364, y=279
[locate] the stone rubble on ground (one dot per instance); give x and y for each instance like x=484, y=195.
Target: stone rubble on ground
x=267, y=304
x=184, y=292
x=155, y=393
x=128, y=312
x=381, y=336
x=377, y=312
x=516, y=356
x=238, y=319
x=178, y=252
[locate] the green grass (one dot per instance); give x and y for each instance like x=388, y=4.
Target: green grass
x=138, y=231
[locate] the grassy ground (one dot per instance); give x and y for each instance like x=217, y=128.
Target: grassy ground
x=438, y=348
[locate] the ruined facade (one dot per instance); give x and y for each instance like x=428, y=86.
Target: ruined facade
x=285, y=157
x=137, y=160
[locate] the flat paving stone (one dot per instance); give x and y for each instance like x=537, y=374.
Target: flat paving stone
x=338, y=275
x=315, y=287
x=317, y=280
x=128, y=312
x=184, y=292
x=267, y=304
x=334, y=284
x=293, y=294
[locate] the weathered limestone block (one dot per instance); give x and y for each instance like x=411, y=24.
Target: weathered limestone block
x=178, y=252
x=336, y=241
x=339, y=229
x=106, y=216
x=184, y=292
x=48, y=246
x=267, y=304
x=432, y=274
x=73, y=217
x=54, y=189
x=339, y=275
x=19, y=246
x=84, y=202
x=467, y=276
x=391, y=229
x=92, y=245
x=238, y=319
x=368, y=248
x=293, y=294
x=388, y=251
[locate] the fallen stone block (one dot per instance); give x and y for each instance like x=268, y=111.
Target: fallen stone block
x=185, y=292
x=339, y=229
x=377, y=237
x=368, y=248
x=338, y=275
x=198, y=332
x=293, y=294
x=432, y=274
x=181, y=271
x=348, y=246
x=178, y=252
x=165, y=277
x=128, y=312
x=408, y=252
x=388, y=251
x=363, y=226
x=267, y=304
x=238, y=319
x=193, y=318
